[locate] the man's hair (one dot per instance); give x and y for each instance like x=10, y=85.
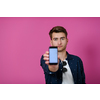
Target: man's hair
x=57, y=29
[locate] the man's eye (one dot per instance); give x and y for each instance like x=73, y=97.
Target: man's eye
x=62, y=38
x=55, y=39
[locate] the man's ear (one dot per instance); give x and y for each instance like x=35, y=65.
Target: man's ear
x=67, y=40
x=51, y=42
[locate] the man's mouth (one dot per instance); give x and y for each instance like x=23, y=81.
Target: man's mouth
x=60, y=46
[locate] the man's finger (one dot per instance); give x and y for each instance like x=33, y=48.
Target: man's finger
x=47, y=52
x=47, y=62
x=45, y=55
x=45, y=58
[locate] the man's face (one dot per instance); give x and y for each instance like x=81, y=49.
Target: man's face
x=59, y=40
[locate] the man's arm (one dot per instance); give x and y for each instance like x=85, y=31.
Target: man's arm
x=82, y=72
x=49, y=75
x=52, y=68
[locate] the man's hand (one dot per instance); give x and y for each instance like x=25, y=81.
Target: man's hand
x=52, y=68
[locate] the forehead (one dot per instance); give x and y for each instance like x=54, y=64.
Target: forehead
x=58, y=35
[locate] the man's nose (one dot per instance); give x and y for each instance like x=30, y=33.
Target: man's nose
x=59, y=41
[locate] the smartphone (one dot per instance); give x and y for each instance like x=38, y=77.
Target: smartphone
x=53, y=55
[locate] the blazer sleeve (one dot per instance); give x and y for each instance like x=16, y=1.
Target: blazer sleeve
x=45, y=66
x=82, y=71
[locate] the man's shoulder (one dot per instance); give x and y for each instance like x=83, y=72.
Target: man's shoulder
x=42, y=61
x=42, y=57
x=75, y=57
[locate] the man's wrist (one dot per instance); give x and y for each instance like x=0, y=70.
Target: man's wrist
x=53, y=68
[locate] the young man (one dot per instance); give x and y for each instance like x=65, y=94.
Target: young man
x=69, y=69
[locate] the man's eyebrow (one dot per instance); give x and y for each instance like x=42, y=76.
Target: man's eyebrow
x=62, y=37
x=57, y=38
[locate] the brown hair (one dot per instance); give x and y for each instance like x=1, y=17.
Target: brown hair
x=57, y=29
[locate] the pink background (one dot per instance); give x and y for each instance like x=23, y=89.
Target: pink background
x=24, y=39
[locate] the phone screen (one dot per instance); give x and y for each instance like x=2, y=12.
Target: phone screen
x=53, y=55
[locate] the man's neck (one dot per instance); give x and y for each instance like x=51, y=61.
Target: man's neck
x=62, y=55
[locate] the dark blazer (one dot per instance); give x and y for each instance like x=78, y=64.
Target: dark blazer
x=76, y=66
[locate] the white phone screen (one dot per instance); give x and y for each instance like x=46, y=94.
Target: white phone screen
x=53, y=55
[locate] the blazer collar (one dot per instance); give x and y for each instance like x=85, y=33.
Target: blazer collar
x=68, y=56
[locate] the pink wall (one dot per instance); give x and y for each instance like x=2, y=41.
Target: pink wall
x=23, y=40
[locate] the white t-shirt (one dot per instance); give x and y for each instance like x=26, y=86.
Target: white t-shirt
x=67, y=77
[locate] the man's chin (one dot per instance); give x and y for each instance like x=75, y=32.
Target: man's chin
x=60, y=50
